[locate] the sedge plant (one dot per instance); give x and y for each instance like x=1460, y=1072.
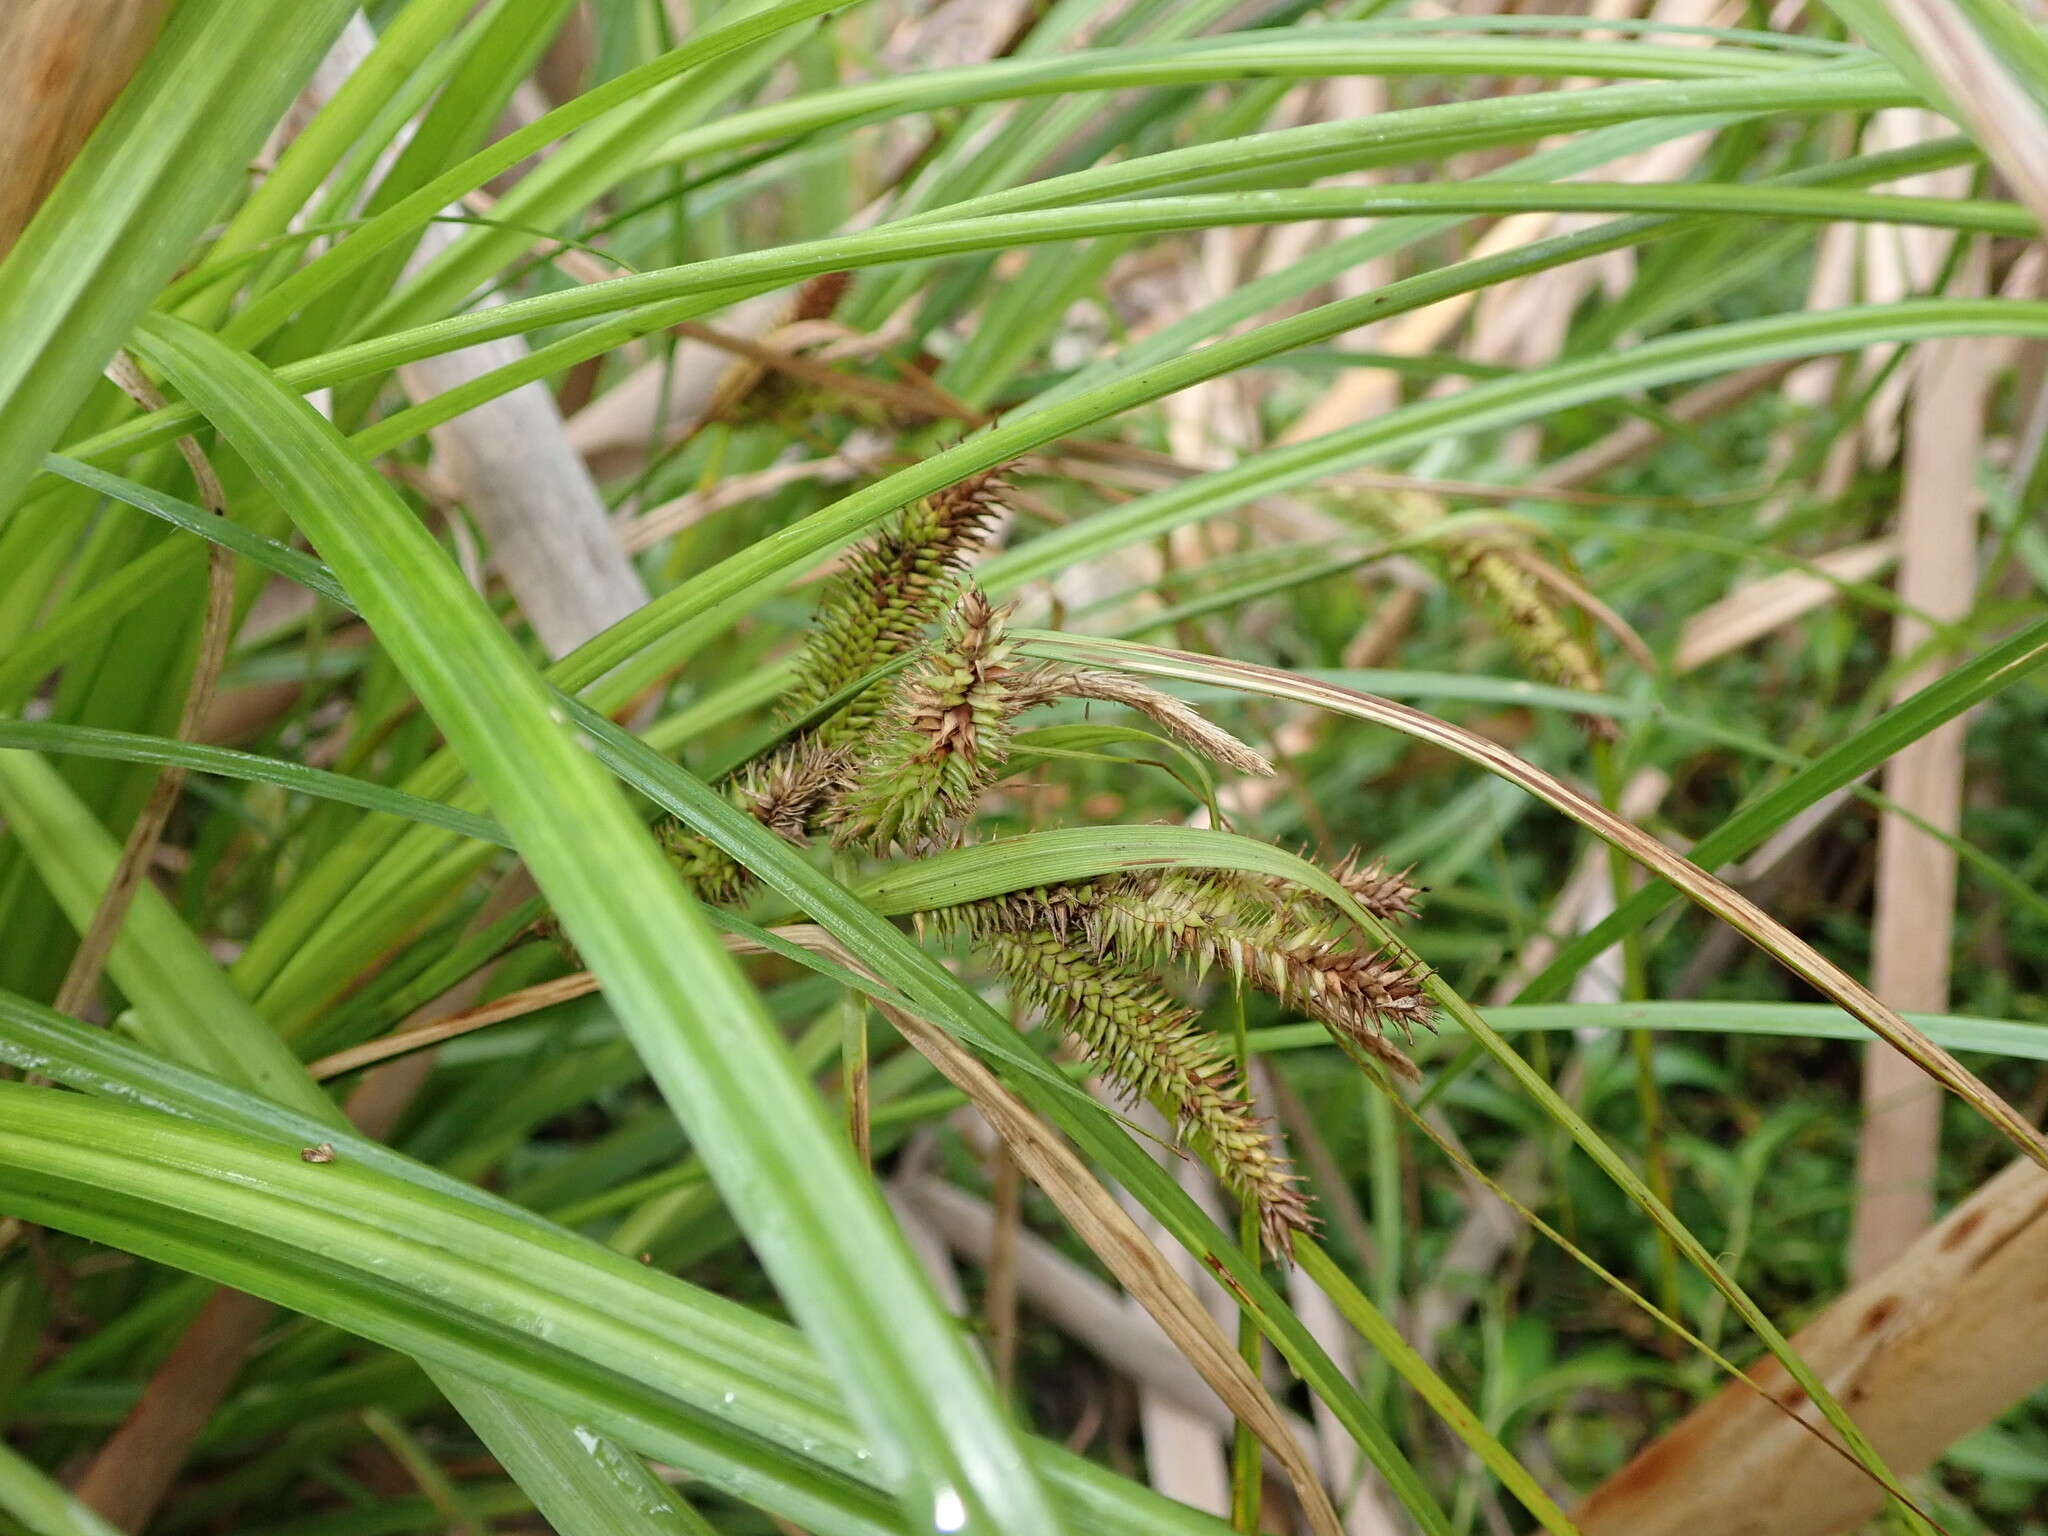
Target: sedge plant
x=1110, y=500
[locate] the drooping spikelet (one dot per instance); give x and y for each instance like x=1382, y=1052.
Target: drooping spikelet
x=1277, y=942
x=819, y=297
x=880, y=602
x=943, y=741
x=1488, y=566
x=1152, y=1046
x=1358, y=996
x=1262, y=933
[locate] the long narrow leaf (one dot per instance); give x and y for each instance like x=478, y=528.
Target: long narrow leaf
x=133, y=747
x=819, y=1226
x=170, y=150
x=1943, y=699
x=749, y=1353
x=1709, y=892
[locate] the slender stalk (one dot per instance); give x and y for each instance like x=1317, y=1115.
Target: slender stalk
x=1642, y=1042
x=1000, y=1303
x=853, y=1053
x=1389, y=1235
x=1247, y=1472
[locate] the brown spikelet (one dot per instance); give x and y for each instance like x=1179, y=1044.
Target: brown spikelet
x=548, y=928
x=1151, y=1046
x=1262, y=933
x=1387, y=894
x=818, y=298
x=762, y=392
x=1359, y=996
x=789, y=793
x=749, y=389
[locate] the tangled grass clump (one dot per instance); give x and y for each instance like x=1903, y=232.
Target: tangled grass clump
x=904, y=764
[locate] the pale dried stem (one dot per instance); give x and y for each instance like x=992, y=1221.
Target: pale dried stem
x=1087, y=1310
x=1983, y=92
x=510, y=460
x=1180, y=722
x=1914, y=916
x=1763, y=606
x=1380, y=638
x=1748, y=613
x=1898, y=263
x=510, y=463
x=1000, y=1299
x=927, y=1246
x=514, y=1005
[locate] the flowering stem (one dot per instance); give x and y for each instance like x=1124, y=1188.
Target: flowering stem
x=853, y=1048
x=1642, y=1042
x=1246, y=1464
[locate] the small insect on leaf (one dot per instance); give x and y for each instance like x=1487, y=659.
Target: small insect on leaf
x=323, y=1153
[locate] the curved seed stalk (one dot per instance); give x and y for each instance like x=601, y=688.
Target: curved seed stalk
x=1762, y=930
x=1046, y=685
x=1152, y=1047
